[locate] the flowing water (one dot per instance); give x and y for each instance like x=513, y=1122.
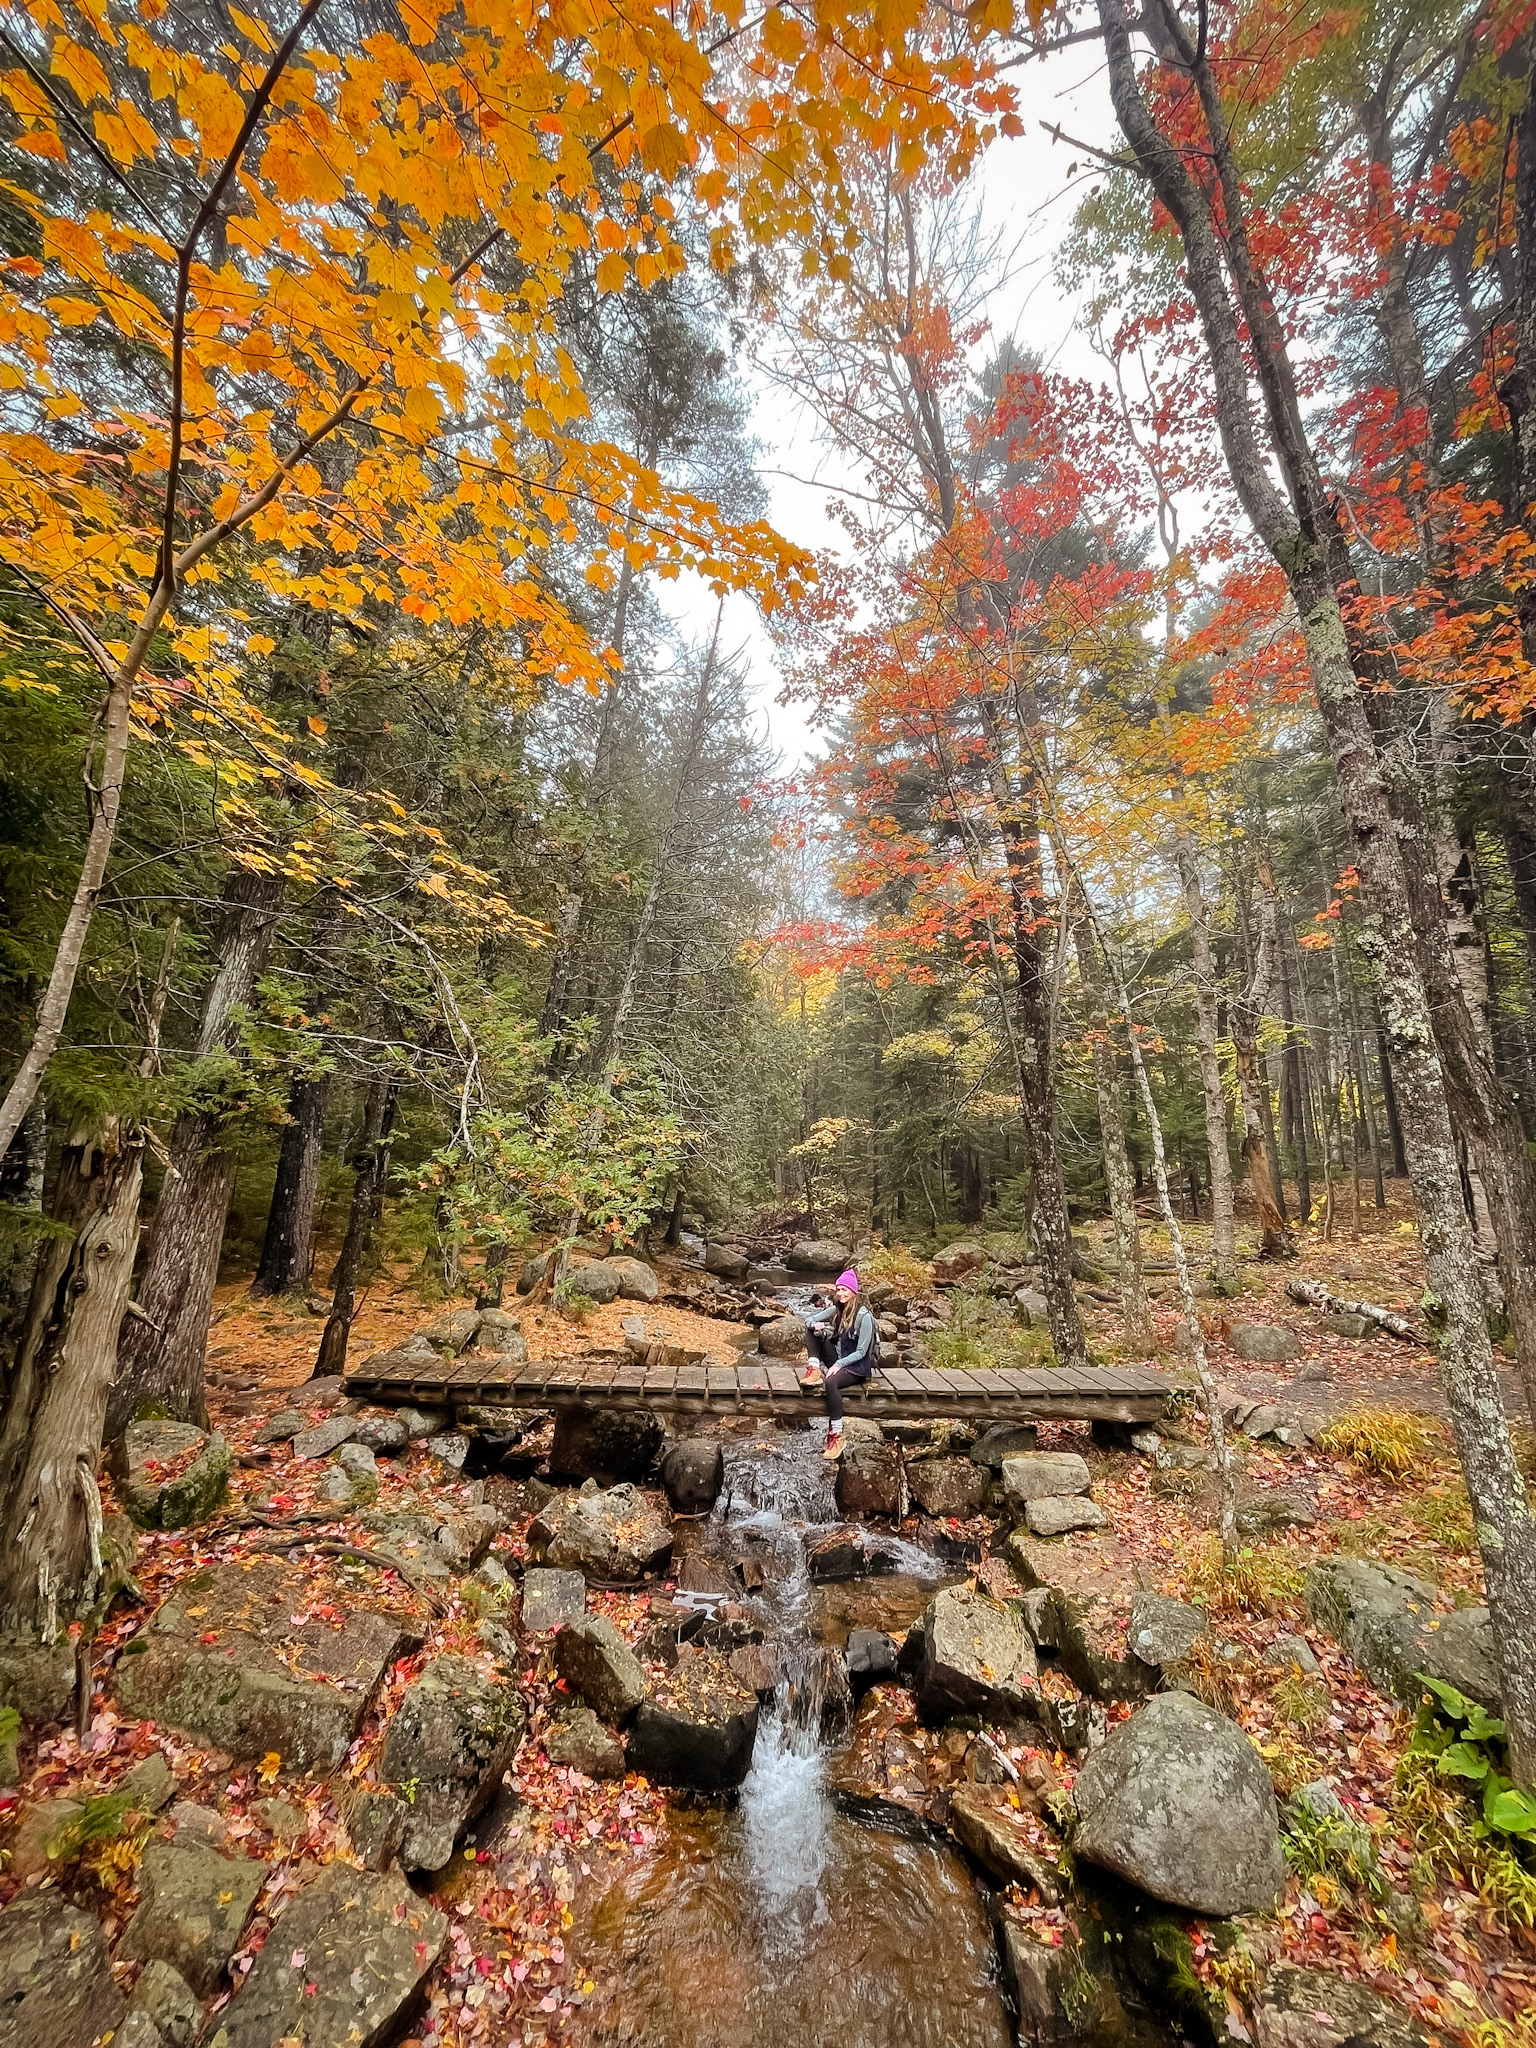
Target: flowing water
x=779, y=1921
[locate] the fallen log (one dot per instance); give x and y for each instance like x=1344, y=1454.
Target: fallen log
x=1313, y=1294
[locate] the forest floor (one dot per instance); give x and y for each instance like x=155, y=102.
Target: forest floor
x=555, y=1840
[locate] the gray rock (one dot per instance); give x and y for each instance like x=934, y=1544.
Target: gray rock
x=56, y=1985
x=693, y=1473
x=983, y=1822
x=1388, y=1622
x=447, y=1747
x=1147, y=1442
x=451, y=1447
x=974, y=1657
x=502, y=1336
x=870, y=1660
x=1179, y=1802
x=552, y=1598
x=344, y=1491
x=1033, y=1308
x=166, y=2000
x=612, y=1535
x=1267, y=1512
x=263, y=1682
x=957, y=1262
x=376, y=1825
x=596, y=1279
x=784, y=1337
x=637, y=1280
x=600, y=1667
x=377, y=1433
x=285, y=1423
x=368, y=1943
x=1047, y=1993
x=193, y=1906
x=1039, y=1610
x=605, y=1444
x=451, y=1333
x=37, y=1679
x=197, y=1827
x=1286, y=1651
x=422, y=1422
x=1002, y=1440
x=1343, y=1324
x=465, y=1539
x=1036, y=1475
x=151, y=1784
x=818, y=1255
x=282, y=1818
x=1058, y=1516
x=709, y=1749
x=142, y=1460
x=944, y=1487
x=1298, y=2008
x=872, y=1480
x=1263, y=1343
x=42, y=1834
x=581, y=1742
x=325, y=1437
x=728, y=1261
x=357, y=1461
x=138, y=2031
x=532, y=1272
x=1164, y=1631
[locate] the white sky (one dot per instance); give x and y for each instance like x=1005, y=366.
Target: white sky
x=1027, y=201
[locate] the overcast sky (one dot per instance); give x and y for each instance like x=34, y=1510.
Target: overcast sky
x=1027, y=202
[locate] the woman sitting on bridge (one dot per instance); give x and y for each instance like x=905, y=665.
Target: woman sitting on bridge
x=844, y=1338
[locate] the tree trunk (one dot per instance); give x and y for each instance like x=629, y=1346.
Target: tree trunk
x=367, y=1204
x=1223, y=1246
x=161, y=1351
x=22, y=1171
x=1295, y=1088
x=1134, y=1307
x=1389, y=1098
x=51, y=1431
x=283, y=1267
x=1247, y=1014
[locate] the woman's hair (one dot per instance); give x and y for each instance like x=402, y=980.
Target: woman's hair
x=847, y=1315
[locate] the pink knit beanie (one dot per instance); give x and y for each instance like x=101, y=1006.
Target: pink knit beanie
x=850, y=1280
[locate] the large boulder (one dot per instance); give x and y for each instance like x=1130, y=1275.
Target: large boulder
x=1179, y=1803
x=612, y=1535
x=1041, y=1475
x=693, y=1473
x=872, y=1480
x=1058, y=1514
x=784, y=1337
x=1164, y=1631
x=605, y=1444
x=818, y=1255
x=1263, y=1343
x=945, y=1487
x=501, y=1335
x=727, y=1261
x=957, y=1262
x=975, y=1657
x=326, y=1436
x=450, y=1741
x=193, y=1906
x=223, y=1659
x=600, y=1667
x=637, y=1280
x=56, y=1984
x=346, y=1963
x=1000, y=1440
x=596, y=1279
x=169, y=1475
x=1388, y=1622
x=699, y=1731
x=1298, y=2008
x=166, y=2002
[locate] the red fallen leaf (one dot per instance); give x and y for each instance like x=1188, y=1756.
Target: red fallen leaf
x=210, y=1635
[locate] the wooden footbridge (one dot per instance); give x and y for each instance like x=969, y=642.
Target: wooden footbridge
x=761, y=1387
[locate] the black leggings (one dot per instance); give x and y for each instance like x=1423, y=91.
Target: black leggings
x=824, y=1345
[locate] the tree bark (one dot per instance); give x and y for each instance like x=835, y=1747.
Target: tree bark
x=367, y=1205
x=1223, y=1240
x=51, y=1431
x=283, y=1267
x=162, y=1347
x=1295, y=1088
x=1247, y=1014
x=1134, y=1307
x=22, y=1171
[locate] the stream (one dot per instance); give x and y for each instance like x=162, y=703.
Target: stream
x=780, y=1921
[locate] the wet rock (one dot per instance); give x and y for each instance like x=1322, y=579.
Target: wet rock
x=599, y=1666
x=957, y=1262
x=944, y=1487
x=1387, y=1621
x=818, y=1255
x=871, y=1660
x=167, y=2003
x=56, y=1984
x=1040, y=1475
x=151, y=1784
x=580, y=1741
x=596, y=1279
x=847, y=1554
x=693, y=1473
x=368, y=1944
x=637, y=1280
x=974, y=1657
x=707, y=1745
x=612, y=1535
x=1179, y=1803
x=552, y=1598
x=1263, y=1343
x=1046, y=1994
x=376, y=1824
x=193, y=1906
x=285, y=1423
x=784, y=1337
x=155, y=1484
x=451, y=1739
x=1056, y=1515
x=382, y=1433
x=1164, y=1631
x=325, y=1437
x=239, y=1673
x=871, y=1480
x=1286, y=1651
x=982, y=1821
x=605, y=1444
x=728, y=1261
x=1298, y=2008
